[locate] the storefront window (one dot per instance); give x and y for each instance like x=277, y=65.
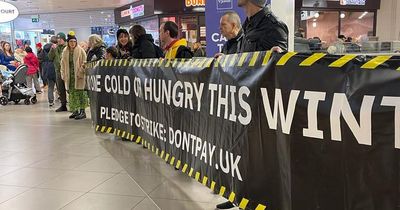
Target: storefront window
x=5, y=32
x=321, y=24
x=152, y=28
x=189, y=29
x=357, y=25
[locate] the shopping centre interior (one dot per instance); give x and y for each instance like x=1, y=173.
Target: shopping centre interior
x=155, y=126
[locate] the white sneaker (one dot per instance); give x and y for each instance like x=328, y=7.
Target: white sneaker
x=51, y=104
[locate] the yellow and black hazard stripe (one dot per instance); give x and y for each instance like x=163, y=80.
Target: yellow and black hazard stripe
x=242, y=60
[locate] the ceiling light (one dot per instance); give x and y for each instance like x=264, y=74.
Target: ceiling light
x=342, y=15
x=363, y=15
x=314, y=24
x=316, y=15
x=199, y=9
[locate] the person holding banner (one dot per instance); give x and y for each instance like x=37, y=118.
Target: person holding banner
x=231, y=28
x=125, y=45
x=143, y=44
x=173, y=47
x=263, y=31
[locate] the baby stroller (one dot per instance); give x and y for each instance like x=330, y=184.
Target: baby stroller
x=14, y=88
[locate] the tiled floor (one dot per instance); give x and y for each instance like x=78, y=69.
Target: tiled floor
x=50, y=162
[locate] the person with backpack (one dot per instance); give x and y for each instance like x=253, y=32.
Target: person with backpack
x=173, y=47
x=144, y=46
x=49, y=71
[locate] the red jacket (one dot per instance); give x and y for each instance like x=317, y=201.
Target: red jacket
x=32, y=62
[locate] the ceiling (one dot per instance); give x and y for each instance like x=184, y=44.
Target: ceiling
x=56, y=6
x=66, y=20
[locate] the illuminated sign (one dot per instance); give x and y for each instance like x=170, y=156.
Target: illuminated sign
x=133, y=12
x=8, y=12
x=195, y=3
x=352, y=2
x=224, y=4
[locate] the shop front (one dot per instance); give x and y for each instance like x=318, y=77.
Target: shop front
x=188, y=14
x=325, y=20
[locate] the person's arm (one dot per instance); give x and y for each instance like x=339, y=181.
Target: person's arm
x=2, y=59
x=52, y=54
x=37, y=63
x=62, y=70
x=83, y=58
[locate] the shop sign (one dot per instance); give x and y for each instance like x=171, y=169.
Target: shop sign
x=195, y=3
x=133, y=12
x=352, y=2
x=8, y=12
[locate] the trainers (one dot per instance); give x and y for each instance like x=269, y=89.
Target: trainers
x=73, y=115
x=51, y=104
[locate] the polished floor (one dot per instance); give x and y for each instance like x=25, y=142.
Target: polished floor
x=49, y=162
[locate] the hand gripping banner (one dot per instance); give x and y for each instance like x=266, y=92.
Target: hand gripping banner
x=266, y=131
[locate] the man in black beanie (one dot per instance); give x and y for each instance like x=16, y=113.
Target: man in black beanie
x=263, y=31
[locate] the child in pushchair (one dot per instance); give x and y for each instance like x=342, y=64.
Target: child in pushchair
x=14, y=88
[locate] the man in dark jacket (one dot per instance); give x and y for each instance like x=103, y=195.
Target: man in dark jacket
x=231, y=28
x=55, y=56
x=143, y=46
x=49, y=70
x=263, y=31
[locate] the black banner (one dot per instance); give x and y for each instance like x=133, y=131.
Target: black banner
x=266, y=131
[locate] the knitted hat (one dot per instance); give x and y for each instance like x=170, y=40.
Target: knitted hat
x=122, y=31
x=62, y=36
x=260, y=3
x=71, y=36
x=39, y=45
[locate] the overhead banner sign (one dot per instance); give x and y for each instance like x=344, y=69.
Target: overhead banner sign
x=8, y=12
x=266, y=131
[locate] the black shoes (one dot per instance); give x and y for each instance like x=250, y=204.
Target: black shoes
x=73, y=115
x=63, y=108
x=226, y=205
x=81, y=115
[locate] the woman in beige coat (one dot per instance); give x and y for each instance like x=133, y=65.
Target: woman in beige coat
x=73, y=74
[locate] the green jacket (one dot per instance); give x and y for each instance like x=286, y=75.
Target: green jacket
x=55, y=55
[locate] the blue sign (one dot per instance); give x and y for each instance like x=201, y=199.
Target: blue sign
x=214, y=10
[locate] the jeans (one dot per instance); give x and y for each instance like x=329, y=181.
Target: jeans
x=35, y=79
x=50, y=94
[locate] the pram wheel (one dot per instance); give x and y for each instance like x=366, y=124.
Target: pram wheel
x=27, y=101
x=3, y=100
x=17, y=101
x=34, y=100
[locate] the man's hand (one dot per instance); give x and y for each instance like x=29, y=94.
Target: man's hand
x=277, y=49
x=218, y=55
x=54, y=46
